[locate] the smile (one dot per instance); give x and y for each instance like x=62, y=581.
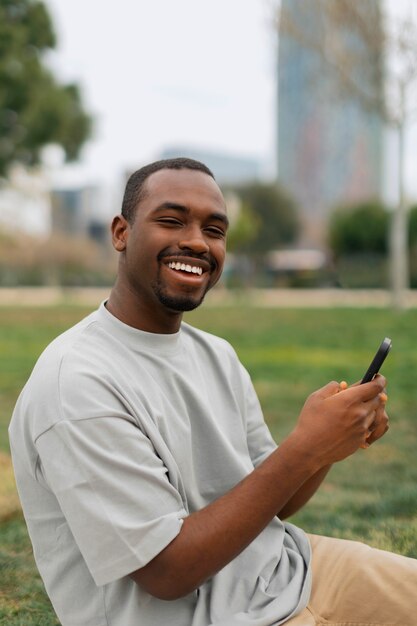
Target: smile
x=190, y=269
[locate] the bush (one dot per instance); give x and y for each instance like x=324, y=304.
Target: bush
x=58, y=260
x=362, y=229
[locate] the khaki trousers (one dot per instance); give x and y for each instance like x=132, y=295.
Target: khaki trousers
x=355, y=585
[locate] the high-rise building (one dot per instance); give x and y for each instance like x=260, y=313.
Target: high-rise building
x=329, y=148
x=228, y=169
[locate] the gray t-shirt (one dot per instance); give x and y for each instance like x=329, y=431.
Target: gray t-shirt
x=117, y=436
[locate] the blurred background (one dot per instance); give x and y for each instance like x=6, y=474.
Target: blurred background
x=303, y=109
x=305, y=112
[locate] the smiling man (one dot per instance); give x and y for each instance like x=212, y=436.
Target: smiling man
x=173, y=247
x=152, y=489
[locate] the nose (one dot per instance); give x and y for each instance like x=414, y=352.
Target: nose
x=193, y=239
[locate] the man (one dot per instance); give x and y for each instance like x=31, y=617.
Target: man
x=151, y=487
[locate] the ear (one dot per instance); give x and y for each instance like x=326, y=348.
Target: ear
x=119, y=231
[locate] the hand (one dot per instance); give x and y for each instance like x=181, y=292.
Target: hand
x=335, y=420
x=380, y=424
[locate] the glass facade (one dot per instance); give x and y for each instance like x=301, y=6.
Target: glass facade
x=329, y=148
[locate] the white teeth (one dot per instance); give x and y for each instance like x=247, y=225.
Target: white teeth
x=192, y=269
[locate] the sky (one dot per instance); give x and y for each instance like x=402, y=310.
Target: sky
x=167, y=73
x=163, y=73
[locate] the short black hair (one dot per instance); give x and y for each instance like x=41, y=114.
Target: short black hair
x=135, y=191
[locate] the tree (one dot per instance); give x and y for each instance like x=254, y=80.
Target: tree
x=364, y=49
x=243, y=230
x=360, y=229
x=273, y=215
x=34, y=109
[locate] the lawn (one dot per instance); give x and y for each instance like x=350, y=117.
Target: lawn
x=289, y=353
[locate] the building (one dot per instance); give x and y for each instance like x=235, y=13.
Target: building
x=29, y=206
x=329, y=149
x=25, y=203
x=76, y=212
x=229, y=170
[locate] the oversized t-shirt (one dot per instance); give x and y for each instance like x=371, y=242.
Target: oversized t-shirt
x=117, y=436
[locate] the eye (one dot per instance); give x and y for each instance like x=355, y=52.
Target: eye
x=215, y=231
x=169, y=221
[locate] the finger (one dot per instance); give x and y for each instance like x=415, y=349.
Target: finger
x=368, y=439
x=378, y=376
x=379, y=426
x=359, y=382
x=371, y=409
x=370, y=423
x=374, y=424
x=367, y=391
x=328, y=390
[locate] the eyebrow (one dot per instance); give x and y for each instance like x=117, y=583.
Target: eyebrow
x=221, y=217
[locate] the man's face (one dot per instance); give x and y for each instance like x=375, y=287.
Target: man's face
x=175, y=248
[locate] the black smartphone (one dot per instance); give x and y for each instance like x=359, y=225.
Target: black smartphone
x=377, y=361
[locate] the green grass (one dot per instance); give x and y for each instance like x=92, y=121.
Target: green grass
x=23, y=601
x=372, y=496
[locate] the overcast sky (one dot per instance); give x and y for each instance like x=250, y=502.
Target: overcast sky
x=162, y=73
x=159, y=73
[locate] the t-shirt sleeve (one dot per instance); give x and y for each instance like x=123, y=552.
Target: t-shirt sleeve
x=259, y=439
x=114, y=492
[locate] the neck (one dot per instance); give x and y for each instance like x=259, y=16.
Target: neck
x=127, y=306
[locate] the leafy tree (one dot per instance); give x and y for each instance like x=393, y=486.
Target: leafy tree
x=360, y=229
x=243, y=231
x=34, y=109
x=274, y=217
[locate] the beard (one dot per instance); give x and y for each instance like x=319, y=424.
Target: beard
x=177, y=303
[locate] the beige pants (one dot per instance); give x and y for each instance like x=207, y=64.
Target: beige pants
x=355, y=585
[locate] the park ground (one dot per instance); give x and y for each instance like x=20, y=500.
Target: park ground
x=275, y=298
x=289, y=349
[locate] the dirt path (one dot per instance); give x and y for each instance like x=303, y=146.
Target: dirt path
x=308, y=298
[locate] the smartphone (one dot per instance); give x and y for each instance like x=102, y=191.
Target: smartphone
x=377, y=361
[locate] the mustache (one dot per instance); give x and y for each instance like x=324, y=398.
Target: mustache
x=181, y=254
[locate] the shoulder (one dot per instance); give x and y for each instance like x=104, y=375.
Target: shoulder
x=76, y=339
x=207, y=341
x=40, y=402
x=79, y=344
x=215, y=354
